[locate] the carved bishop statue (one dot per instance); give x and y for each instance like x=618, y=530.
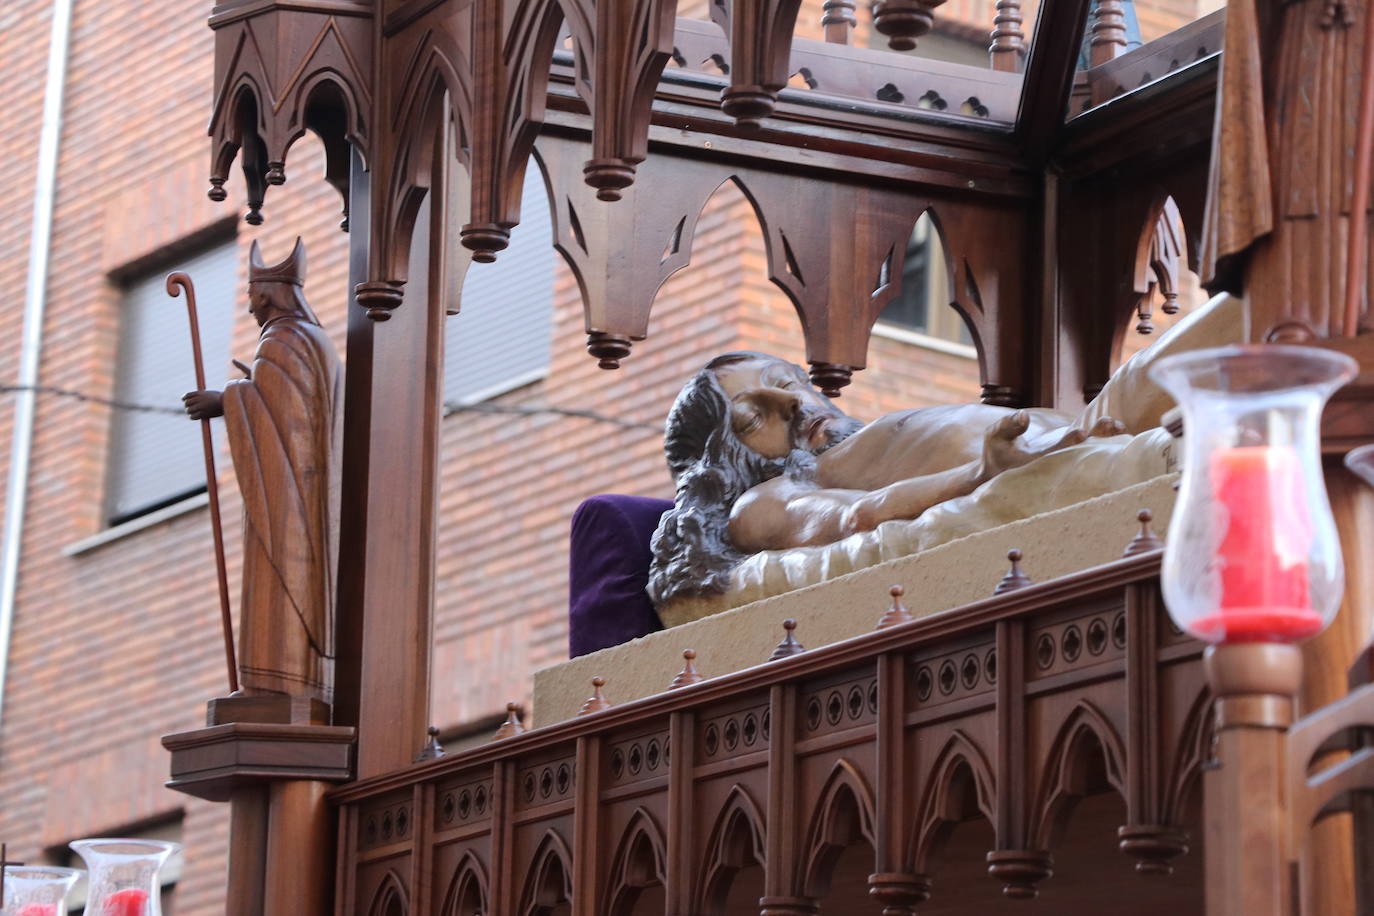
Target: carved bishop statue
x=284, y=426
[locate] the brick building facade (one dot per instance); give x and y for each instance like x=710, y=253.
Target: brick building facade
x=115, y=636
x=115, y=639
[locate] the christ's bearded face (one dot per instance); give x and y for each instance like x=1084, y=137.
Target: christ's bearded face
x=774, y=409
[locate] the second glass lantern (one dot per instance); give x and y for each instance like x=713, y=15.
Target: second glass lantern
x=124, y=875
x=1252, y=551
x=36, y=890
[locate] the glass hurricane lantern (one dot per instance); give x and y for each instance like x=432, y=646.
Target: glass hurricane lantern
x=124, y=875
x=36, y=890
x=1252, y=553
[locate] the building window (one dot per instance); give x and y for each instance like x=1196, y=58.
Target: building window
x=501, y=337
x=169, y=831
x=922, y=307
x=155, y=456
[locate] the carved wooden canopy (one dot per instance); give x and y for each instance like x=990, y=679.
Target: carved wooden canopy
x=636, y=117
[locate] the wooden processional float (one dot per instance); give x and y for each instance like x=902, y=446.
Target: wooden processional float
x=1009, y=713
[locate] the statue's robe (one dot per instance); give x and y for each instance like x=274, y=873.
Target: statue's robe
x=284, y=427
x=1283, y=160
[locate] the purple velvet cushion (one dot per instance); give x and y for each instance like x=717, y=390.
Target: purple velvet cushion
x=608, y=569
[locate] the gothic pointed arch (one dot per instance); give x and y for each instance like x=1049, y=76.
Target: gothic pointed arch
x=1086, y=755
x=960, y=287
x=844, y=815
x=548, y=880
x=432, y=96
x=736, y=841
x=390, y=898
x=622, y=254
x=467, y=892
x=961, y=785
x=1161, y=254
x=639, y=863
x=824, y=273
x=303, y=69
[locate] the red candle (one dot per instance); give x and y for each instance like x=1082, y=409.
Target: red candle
x=130, y=902
x=37, y=909
x=1265, y=542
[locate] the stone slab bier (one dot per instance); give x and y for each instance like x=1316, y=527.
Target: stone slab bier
x=1054, y=544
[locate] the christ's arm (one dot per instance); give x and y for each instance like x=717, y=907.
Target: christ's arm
x=782, y=513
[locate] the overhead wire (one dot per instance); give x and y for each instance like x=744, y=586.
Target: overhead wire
x=450, y=407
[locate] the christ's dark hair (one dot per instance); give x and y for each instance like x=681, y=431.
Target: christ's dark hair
x=692, y=554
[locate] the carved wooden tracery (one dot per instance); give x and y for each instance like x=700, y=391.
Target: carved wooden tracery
x=736, y=842
x=960, y=784
x=467, y=893
x=843, y=817
x=1086, y=748
x=847, y=750
x=279, y=74
x=548, y=882
x=639, y=863
x=390, y=899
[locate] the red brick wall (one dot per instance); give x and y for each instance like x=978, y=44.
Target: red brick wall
x=118, y=645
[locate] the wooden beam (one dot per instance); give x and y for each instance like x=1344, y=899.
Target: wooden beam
x=1049, y=76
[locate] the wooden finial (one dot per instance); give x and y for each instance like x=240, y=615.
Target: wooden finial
x=1146, y=540
x=897, y=613
x=513, y=725
x=689, y=673
x=432, y=750
x=789, y=645
x=1108, y=31
x=596, y=702
x=1008, y=40
x=1014, y=578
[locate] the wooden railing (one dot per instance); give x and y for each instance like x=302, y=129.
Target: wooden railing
x=896, y=764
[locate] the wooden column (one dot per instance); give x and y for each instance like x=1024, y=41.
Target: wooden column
x=1019, y=868
x=247, y=851
x=1245, y=795
x=784, y=829
x=1327, y=660
x=1147, y=836
x=586, y=826
x=299, y=842
x=897, y=890
x=348, y=616
x=394, y=402
x=682, y=734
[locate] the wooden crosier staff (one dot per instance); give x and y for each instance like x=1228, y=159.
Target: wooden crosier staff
x=175, y=283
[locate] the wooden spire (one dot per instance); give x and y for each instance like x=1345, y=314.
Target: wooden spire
x=688, y=674
x=1145, y=540
x=596, y=702
x=1014, y=578
x=432, y=750
x=897, y=614
x=789, y=645
x=513, y=725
